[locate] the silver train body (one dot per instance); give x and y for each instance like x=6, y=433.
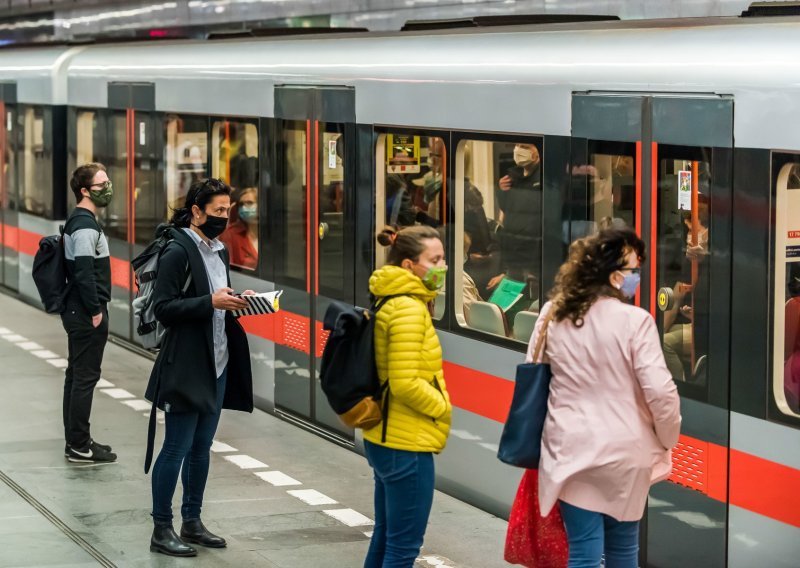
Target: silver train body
x=723, y=84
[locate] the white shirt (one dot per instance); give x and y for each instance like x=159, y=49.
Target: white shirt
x=217, y=278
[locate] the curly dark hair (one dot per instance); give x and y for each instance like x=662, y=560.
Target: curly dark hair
x=584, y=277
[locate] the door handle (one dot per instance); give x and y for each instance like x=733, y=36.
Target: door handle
x=323, y=230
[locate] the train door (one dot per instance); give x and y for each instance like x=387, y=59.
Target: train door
x=129, y=145
x=9, y=255
x=663, y=165
x=315, y=162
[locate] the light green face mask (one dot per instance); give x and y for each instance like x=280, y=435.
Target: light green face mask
x=434, y=278
x=102, y=197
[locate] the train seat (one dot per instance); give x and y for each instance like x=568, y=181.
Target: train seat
x=524, y=322
x=487, y=317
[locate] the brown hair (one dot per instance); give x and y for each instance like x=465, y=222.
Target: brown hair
x=82, y=178
x=584, y=276
x=408, y=242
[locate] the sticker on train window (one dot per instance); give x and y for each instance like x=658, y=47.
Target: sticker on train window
x=685, y=190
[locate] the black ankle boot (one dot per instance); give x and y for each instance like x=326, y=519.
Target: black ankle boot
x=195, y=532
x=165, y=541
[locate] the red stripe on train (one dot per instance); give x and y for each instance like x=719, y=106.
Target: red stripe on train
x=758, y=485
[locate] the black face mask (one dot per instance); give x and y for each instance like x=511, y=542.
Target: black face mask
x=214, y=226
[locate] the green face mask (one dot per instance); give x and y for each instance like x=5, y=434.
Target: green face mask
x=102, y=197
x=434, y=278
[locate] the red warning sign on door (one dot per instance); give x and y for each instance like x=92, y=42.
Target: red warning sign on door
x=794, y=234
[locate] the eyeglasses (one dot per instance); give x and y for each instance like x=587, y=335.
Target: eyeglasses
x=103, y=185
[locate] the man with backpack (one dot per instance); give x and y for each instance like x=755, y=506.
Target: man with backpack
x=85, y=316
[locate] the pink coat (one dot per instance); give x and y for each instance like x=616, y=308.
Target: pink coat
x=613, y=413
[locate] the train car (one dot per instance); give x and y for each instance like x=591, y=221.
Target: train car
x=513, y=142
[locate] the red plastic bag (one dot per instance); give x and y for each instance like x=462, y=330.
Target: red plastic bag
x=532, y=540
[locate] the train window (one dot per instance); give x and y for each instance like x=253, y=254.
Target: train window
x=148, y=177
x=786, y=341
x=234, y=149
x=684, y=245
x=36, y=161
x=186, y=155
x=498, y=236
x=412, y=187
x=293, y=232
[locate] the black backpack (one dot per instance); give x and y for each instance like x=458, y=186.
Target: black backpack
x=348, y=374
x=50, y=272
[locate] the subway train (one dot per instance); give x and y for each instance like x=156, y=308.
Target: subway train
x=513, y=142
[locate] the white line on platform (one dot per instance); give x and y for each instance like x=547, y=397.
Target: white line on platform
x=464, y=435
x=433, y=560
x=137, y=404
x=490, y=447
x=5, y=331
x=245, y=462
x=277, y=478
x=15, y=338
x=368, y=534
x=220, y=447
x=58, y=363
x=117, y=393
x=349, y=517
x=29, y=345
x=312, y=497
x=44, y=354
x=103, y=384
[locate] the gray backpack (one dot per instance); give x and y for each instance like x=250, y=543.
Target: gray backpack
x=145, y=268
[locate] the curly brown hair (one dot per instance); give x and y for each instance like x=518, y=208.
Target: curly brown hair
x=584, y=277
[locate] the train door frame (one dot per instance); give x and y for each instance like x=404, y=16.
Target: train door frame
x=665, y=125
x=299, y=337
x=132, y=98
x=8, y=216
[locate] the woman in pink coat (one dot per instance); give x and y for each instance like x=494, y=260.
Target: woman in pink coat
x=614, y=412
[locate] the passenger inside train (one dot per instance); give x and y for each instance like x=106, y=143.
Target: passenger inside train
x=241, y=235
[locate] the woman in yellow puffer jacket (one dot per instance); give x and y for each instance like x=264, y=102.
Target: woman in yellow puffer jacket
x=417, y=409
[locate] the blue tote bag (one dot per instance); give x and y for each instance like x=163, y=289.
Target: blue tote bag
x=521, y=442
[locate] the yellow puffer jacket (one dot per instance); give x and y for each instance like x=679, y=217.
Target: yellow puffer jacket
x=409, y=356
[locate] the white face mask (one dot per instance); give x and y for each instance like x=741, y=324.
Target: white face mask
x=522, y=156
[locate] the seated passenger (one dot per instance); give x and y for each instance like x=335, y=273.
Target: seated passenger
x=791, y=358
x=241, y=235
x=469, y=289
x=685, y=332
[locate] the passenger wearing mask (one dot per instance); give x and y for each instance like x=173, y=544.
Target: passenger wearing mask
x=203, y=366
x=241, y=236
x=520, y=202
x=614, y=411
x=416, y=404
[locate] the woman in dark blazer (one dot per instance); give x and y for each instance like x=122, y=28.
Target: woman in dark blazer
x=203, y=366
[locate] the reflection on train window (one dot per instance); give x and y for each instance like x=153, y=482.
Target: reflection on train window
x=148, y=178
x=186, y=155
x=8, y=147
x=114, y=155
x=234, y=159
x=413, y=177
x=331, y=210
x=36, y=161
x=234, y=153
x=786, y=341
x=291, y=174
x=603, y=191
x=499, y=241
x=684, y=248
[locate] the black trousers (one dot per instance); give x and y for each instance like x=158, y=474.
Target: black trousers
x=86, y=344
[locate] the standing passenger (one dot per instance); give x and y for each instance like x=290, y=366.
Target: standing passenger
x=203, y=366
x=614, y=412
x=85, y=317
x=416, y=406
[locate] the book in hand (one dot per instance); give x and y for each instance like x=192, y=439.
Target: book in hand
x=507, y=293
x=258, y=304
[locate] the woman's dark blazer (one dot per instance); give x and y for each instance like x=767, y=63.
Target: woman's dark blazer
x=184, y=377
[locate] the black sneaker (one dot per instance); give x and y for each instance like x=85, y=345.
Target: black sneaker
x=102, y=446
x=94, y=453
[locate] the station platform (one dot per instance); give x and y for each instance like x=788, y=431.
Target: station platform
x=283, y=497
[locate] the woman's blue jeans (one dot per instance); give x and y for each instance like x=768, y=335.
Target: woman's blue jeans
x=592, y=534
x=187, y=443
x=403, y=500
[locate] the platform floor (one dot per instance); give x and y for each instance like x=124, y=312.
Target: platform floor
x=282, y=497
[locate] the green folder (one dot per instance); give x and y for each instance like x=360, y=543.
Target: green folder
x=507, y=293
